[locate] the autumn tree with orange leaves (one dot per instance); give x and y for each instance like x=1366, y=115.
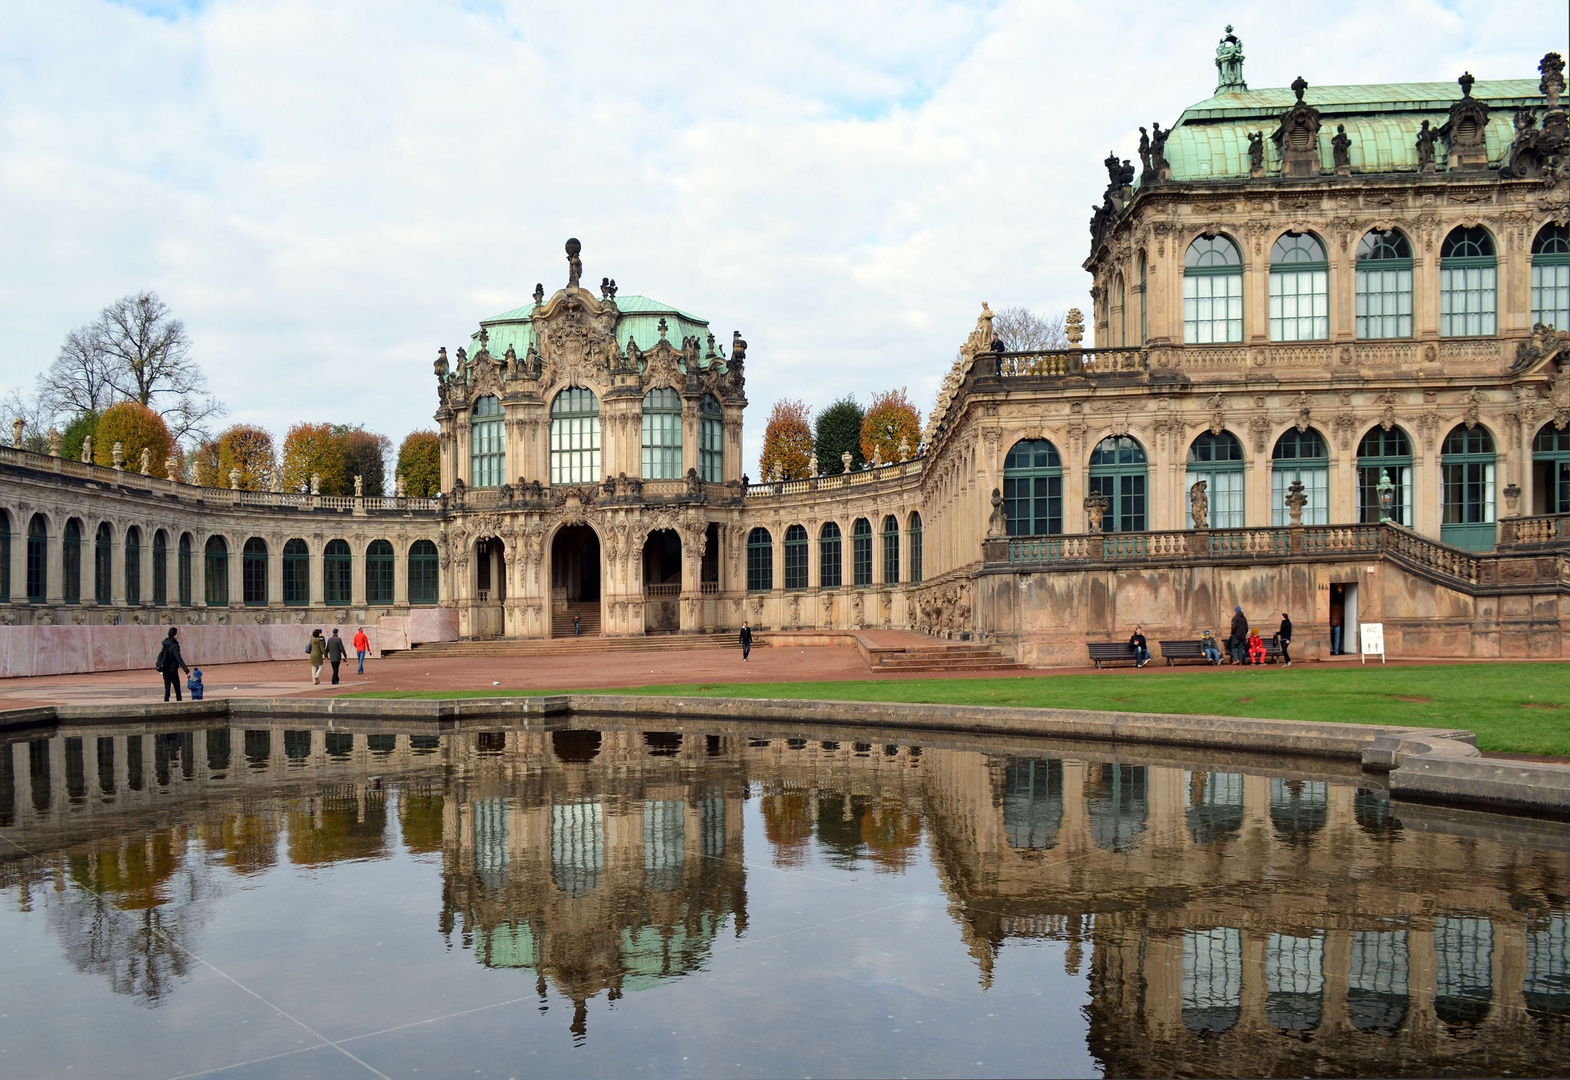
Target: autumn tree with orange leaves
x=891, y=419
x=787, y=441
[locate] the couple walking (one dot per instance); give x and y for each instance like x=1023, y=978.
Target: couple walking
x=333, y=652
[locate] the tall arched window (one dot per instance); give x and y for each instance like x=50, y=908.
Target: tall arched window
x=914, y=527
x=795, y=559
x=424, y=573
x=1551, y=471
x=72, y=562
x=1299, y=289
x=575, y=437
x=1468, y=284
x=1294, y=981
x=1212, y=291
x=5, y=556
x=253, y=572
x=160, y=568
x=1212, y=979
x=662, y=434
x=1117, y=472
x=183, y=572
x=1551, y=277
x=103, y=563
x=1033, y=488
x=760, y=561
x=1384, y=453
x=133, y=565
x=487, y=443
x=215, y=571
x=1303, y=456
x=1218, y=460
x=1377, y=995
x=890, y=550
x=1139, y=298
x=1384, y=286
x=1117, y=318
x=379, y=573
x=1463, y=970
x=296, y=573
x=711, y=440
x=861, y=553
x=37, y=560
x=337, y=572
x=1117, y=805
x=1467, y=464
x=829, y=572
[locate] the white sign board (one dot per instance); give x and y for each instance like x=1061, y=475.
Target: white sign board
x=1373, y=634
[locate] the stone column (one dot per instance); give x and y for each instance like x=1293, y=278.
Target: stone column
x=236, y=564
x=1425, y=289
x=401, y=545
x=316, y=548
x=54, y=572
x=357, y=572
x=116, y=567
x=275, y=545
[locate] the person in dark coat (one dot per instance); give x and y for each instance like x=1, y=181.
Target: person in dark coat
x=746, y=640
x=1284, y=637
x=1141, y=648
x=336, y=653
x=1237, y=643
x=170, y=664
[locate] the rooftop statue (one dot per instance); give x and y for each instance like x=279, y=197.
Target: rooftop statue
x=574, y=264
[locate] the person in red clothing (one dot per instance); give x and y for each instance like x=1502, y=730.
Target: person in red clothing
x=1256, y=648
x=362, y=645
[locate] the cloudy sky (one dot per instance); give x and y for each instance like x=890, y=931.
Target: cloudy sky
x=327, y=191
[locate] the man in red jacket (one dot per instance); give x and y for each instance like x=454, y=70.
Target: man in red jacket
x=362, y=645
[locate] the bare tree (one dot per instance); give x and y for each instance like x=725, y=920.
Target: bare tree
x=36, y=419
x=1022, y=330
x=79, y=379
x=149, y=361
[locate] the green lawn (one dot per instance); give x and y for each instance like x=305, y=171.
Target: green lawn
x=1513, y=708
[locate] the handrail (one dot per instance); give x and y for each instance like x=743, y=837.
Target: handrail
x=835, y=481
x=1064, y=362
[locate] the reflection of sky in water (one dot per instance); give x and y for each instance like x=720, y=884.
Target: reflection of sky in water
x=677, y=904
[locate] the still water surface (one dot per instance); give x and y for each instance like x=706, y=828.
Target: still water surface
x=296, y=902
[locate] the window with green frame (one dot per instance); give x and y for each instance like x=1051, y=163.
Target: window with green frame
x=913, y=530
x=424, y=573
x=487, y=443
x=253, y=572
x=1212, y=291
x=103, y=563
x=861, y=553
x=160, y=568
x=183, y=571
x=379, y=572
x=890, y=550
x=72, y=562
x=1551, y=471
x=1384, y=453
x=1140, y=293
x=711, y=440
x=796, y=546
x=1033, y=489
x=1551, y=277
x=337, y=572
x=1466, y=465
x=1303, y=456
x=760, y=561
x=296, y=573
x=1299, y=289
x=1468, y=284
x=37, y=559
x=662, y=434
x=1217, y=459
x=829, y=572
x=1384, y=286
x=575, y=437
x=215, y=571
x=133, y=565
x=5, y=556
x=1118, y=473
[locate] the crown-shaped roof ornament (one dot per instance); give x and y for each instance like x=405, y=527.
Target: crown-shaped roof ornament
x=1229, y=64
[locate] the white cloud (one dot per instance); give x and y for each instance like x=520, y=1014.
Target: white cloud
x=326, y=192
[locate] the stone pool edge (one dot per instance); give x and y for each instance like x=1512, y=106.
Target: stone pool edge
x=1431, y=765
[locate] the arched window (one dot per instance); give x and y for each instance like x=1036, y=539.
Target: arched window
x=711, y=440
x=914, y=528
x=662, y=434
x=337, y=572
x=1212, y=979
x=1215, y=805
x=1467, y=464
x=296, y=573
x=215, y=571
x=160, y=568
x=183, y=572
x=1212, y=292
x=1218, y=460
x=861, y=553
x=1032, y=803
x=1139, y=298
x=37, y=560
x=1298, y=808
x=424, y=573
x=1117, y=318
x=1384, y=453
x=1463, y=970
x=1033, y=488
x=795, y=559
x=1551, y=277
x=133, y=565
x=1117, y=473
x=253, y=572
x=1546, y=987
x=5, y=556
x=575, y=437
x=103, y=563
x=1468, y=284
x=72, y=562
x=1299, y=289
x=1551, y=471
x=379, y=573
x=487, y=443
x=1377, y=995
x=1303, y=456
x=1117, y=805
x=760, y=561
x=829, y=573
x=1384, y=286
x=890, y=550
x=1294, y=981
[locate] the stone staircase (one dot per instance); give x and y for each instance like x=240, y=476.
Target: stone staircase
x=937, y=658
x=589, y=621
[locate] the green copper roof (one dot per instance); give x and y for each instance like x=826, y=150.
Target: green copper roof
x=639, y=321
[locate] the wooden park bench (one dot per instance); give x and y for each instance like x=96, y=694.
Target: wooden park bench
x=1172, y=651
x=1272, y=652
x=1110, y=652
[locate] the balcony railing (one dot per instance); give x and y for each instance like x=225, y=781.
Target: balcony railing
x=662, y=592
x=1061, y=363
x=1539, y=529
x=856, y=478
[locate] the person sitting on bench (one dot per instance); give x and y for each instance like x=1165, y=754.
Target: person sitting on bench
x=1207, y=645
x=1141, y=650
x=1256, y=648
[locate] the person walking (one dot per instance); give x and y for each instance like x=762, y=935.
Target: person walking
x=170, y=663
x=746, y=640
x=1284, y=637
x=1337, y=616
x=1207, y=645
x=318, y=651
x=1141, y=649
x=362, y=645
x=1238, y=641
x=335, y=653
x=577, y=623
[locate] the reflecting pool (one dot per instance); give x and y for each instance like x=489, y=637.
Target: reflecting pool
x=604, y=900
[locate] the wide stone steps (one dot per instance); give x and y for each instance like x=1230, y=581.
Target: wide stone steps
x=588, y=621
x=567, y=645
x=938, y=659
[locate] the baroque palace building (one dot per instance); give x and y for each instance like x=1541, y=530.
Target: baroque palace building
x=1329, y=326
